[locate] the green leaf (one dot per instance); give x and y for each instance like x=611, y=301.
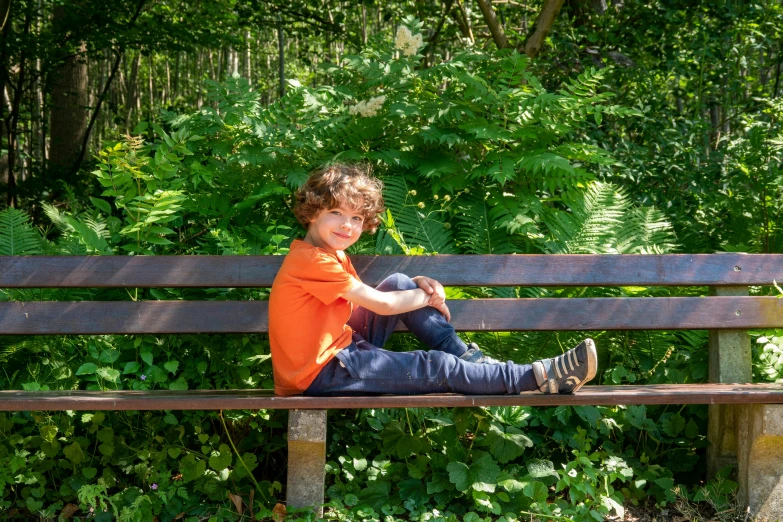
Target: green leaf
x=87, y=369
x=222, y=459
x=692, y=429
x=101, y=205
x=171, y=366
x=541, y=468
x=536, y=491
x=179, y=385
x=191, y=468
x=481, y=475
x=108, y=374
x=173, y=452
x=396, y=441
x=146, y=355
x=673, y=425
x=89, y=472
x=105, y=434
x=109, y=356
x=506, y=442
x=376, y=494
x=131, y=367
x=74, y=453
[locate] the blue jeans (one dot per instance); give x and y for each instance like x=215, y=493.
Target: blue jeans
x=365, y=368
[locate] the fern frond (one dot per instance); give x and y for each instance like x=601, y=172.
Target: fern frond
x=17, y=236
x=414, y=226
x=589, y=228
x=645, y=230
x=479, y=226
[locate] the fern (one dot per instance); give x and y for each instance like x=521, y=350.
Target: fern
x=645, y=231
x=479, y=228
x=590, y=225
x=414, y=227
x=602, y=220
x=89, y=232
x=17, y=236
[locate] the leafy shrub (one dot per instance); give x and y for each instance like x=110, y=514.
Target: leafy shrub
x=477, y=157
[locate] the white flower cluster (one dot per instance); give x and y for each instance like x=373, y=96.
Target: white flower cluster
x=407, y=42
x=368, y=108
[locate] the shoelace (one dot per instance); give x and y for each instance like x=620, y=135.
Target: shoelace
x=570, y=357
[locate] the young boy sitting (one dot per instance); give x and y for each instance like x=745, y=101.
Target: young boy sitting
x=327, y=328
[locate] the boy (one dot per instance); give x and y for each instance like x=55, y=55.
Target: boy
x=327, y=328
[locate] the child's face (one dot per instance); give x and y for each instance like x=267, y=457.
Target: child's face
x=335, y=229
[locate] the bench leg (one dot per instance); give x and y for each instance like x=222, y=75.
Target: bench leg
x=306, y=459
x=760, y=459
x=729, y=362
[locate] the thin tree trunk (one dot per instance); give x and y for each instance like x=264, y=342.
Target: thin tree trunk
x=199, y=61
x=544, y=22
x=133, y=91
x=167, y=92
x=281, y=58
x=38, y=106
x=13, y=119
x=175, y=84
x=69, y=108
x=364, y=24
x=465, y=27
x=246, y=66
x=151, y=84
x=495, y=27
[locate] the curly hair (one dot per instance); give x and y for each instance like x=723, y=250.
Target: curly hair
x=351, y=185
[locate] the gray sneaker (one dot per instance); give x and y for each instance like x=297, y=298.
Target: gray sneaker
x=475, y=355
x=568, y=372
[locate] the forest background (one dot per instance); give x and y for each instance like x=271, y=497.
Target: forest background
x=167, y=127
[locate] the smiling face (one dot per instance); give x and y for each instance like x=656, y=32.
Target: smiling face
x=335, y=229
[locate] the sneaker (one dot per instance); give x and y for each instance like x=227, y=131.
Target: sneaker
x=475, y=355
x=568, y=372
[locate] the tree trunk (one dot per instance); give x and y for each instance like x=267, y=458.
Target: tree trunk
x=246, y=66
x=364, y=24
x=151, y=84
x=495, y=27
x=281, y=58
x=133, y=91
x=544, y=22
x=69, y=109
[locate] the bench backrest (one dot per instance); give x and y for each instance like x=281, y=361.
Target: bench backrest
x=161, y=317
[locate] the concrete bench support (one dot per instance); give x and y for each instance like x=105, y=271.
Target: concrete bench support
x=729, y=362
x=306, y=458
x=760, y=459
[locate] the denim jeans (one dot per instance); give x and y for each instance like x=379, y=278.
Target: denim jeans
x=365, y=368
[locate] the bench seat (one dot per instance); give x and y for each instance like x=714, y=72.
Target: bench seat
x=266, y=400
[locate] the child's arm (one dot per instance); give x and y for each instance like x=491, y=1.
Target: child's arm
x=391, y=303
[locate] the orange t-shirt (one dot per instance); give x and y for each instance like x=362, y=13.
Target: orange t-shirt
x=307, y=314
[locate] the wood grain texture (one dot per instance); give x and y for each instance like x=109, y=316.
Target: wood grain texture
x=265, y=399
x=171, y=317
x=452, y=270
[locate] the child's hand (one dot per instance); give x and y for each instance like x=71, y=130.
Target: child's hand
x=436, y=292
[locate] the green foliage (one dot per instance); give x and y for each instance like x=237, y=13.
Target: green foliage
x=17, y=236
x=477, y=156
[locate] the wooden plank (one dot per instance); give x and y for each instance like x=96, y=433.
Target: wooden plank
x=167, y=317
x=452, y=270
x=265, y=399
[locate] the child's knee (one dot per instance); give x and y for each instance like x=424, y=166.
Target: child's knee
x=397, y=282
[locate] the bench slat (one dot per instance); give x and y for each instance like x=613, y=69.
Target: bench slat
x=452, y=270
x=169, y=317
x=265, y=399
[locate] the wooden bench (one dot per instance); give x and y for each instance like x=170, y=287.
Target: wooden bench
x=746, y=420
